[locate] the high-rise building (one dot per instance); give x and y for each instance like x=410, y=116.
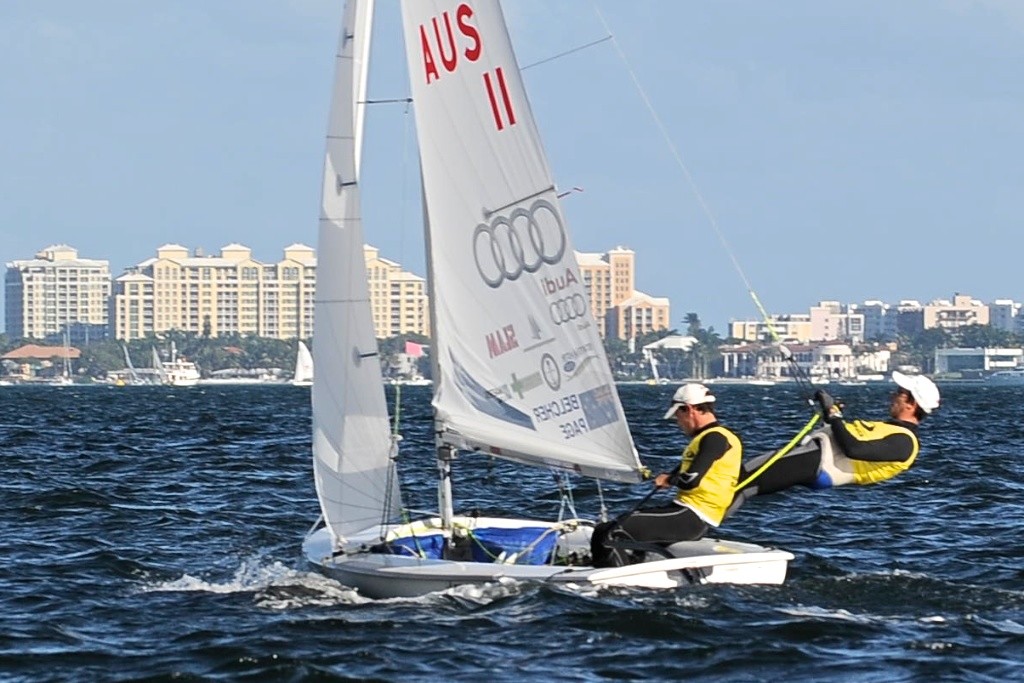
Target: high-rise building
x=57, y=292
x=879, y=320
x=398, y=298
x=217, y=295
x=1004, y=314
x=610, y=280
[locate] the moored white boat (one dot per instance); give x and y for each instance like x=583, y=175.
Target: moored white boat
x=176, y=372
x=490, y=202
x=1013, y=377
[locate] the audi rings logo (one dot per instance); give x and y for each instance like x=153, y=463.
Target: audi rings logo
x=520, y=243
x=569, y=308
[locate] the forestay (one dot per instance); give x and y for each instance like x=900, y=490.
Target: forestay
x=523, y=373
x=351, y=439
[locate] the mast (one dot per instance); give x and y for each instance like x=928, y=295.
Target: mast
x=445, y=453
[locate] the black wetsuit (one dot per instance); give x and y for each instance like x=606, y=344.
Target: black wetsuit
x=802, y=466
x=667, y=524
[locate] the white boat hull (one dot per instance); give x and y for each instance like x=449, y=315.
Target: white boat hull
x=378, y=575
x=1008, y=378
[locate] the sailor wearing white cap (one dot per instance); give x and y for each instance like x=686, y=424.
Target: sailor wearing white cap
x=706, y=479
x=855, y=452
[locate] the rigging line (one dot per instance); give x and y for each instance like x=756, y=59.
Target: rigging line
x=678, y=158
x=697, y=193
x=568, y=52
x=779, y=453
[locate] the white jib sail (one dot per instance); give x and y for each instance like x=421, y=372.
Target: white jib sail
x=351, y=439
x=523, y=373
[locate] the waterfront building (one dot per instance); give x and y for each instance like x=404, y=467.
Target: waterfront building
x=619, y=309
x=832, y=321
x=398, y=298
x=57, y=292
x=638, y=315
x=960, y=312
x=879, y=320
x=790, y=327
x=213, y=296
x=977, y=360
x=1004, y=314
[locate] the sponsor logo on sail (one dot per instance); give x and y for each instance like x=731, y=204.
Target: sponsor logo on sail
x=534, y=328
x=573, y=362
x=518, y=386
x=502, y=341
x=567, y=308
x=519, y=243
x=549, y=369
x=553, y=285
x=556, y=408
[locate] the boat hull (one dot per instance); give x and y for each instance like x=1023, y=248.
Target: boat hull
x=705, y=561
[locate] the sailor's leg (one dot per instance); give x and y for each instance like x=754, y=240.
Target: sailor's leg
x=666, y=524
x=798, y=467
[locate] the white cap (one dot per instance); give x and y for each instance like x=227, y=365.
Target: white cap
x=924, y=391
x=689, y=394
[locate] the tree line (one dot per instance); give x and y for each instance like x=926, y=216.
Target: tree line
x=240, y=352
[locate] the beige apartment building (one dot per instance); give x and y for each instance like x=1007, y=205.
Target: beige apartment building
x=961, y=311
x=56, y=292
x=398, y=298
x=620, y=310
x=793, y=327
x=637, y=315
x=231, y=293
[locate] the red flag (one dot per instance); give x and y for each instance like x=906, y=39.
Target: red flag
x=413, y=349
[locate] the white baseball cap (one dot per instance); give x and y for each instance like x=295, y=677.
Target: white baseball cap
x=924, y=391
x=689, y=394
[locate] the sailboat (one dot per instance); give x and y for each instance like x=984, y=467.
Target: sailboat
x=303, y=366
x=178, y=371
x=519, y=368
x=64, y=379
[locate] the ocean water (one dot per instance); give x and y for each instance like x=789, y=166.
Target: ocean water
x=154, y=534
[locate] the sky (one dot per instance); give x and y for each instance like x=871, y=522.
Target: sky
x=844, y=150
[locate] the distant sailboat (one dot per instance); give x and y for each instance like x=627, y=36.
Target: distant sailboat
x=65, y=378
x=133, y=375
x=303, y=366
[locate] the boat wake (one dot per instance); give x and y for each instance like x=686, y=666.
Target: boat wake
x=274, y=585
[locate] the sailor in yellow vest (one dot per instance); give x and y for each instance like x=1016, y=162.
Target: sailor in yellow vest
x=856, y=452
x=706, y=479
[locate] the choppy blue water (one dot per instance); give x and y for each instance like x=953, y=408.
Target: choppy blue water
x=153, y=533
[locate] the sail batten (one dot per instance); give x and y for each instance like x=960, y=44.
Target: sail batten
x=521, y=366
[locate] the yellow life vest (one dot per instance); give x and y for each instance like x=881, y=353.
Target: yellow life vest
x=844, y=470
x=711, y=499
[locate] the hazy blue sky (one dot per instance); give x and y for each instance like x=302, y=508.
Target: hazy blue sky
x=850, y=149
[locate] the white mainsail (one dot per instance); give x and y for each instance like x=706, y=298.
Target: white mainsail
x=522, y=369
x=352, y=444
x=303, y=365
